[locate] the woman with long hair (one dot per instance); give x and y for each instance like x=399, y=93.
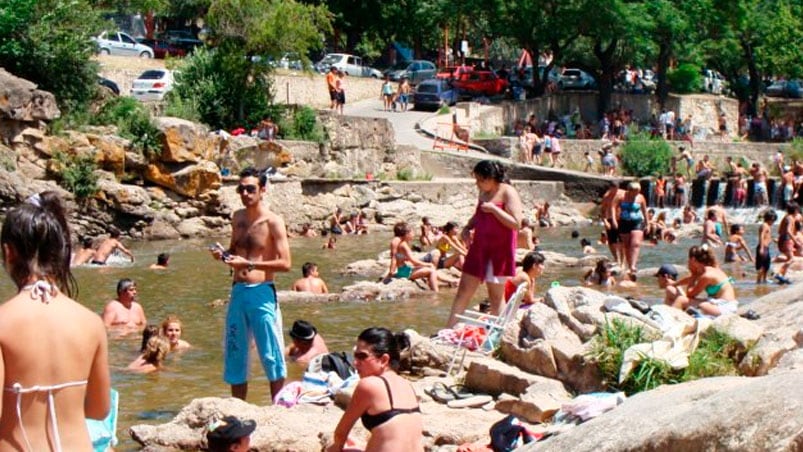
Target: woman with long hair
x=385, y=402
x=491, y=254
x=710, y=290
x=53, y=350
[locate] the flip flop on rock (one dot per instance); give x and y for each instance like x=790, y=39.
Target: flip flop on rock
x=471, y=402
x=461, y=392
x=440, y=393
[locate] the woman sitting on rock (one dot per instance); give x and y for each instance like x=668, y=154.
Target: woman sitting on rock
x=385, y=402
x=710, y=291
x=402, y=262
x=450, y=249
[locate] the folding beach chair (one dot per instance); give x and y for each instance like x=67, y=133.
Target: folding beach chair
x=494, y=325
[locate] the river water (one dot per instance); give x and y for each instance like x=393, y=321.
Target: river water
x=194, y=279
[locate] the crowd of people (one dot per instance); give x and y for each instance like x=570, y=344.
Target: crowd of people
x=484, y=251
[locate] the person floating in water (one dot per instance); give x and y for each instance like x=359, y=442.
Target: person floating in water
x=161, y=262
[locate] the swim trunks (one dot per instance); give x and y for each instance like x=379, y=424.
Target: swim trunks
x=404, y=272
x=763, y=260
x=253, y=311
x=94, y=262
x=612, y=233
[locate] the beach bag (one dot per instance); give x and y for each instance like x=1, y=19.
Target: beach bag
x=339, y=363
x=508, y=434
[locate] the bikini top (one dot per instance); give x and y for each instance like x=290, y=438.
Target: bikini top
x=370, y=421
x=444, y=247
x=714, y=289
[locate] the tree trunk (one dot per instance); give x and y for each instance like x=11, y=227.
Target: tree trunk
x=607, y=73
x=755, y=77
x=663, y=66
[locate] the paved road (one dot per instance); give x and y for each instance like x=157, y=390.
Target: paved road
x=403, y=122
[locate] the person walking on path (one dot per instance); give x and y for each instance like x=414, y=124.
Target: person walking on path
x=492, y=252
x=331, y=85
x=258, y=250
x=404, y=93
x=387, y=94
x=54, y=366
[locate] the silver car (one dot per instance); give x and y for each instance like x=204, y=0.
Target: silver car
x=119, y=43
x=415, y=71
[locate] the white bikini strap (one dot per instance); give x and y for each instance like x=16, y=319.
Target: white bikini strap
x=51, y=407
x=41, y=290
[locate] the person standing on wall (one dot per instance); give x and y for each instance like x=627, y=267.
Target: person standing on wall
x=259, y=248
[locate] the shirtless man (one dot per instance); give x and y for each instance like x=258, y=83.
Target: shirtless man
x=525, y=236
x=310, y=282
x=83, y=255
x=125, y=312
x=259, y=248
x=108, y=246
x=759, y=175
x=787, y=232
x=307, y=343
x=667, y=277
x=610, y=199
x=788, y=180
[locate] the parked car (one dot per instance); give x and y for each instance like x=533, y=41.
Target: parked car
x=786, y=88
x=153, y=84
x=523, y=76
x=453, y=72
x=433, y=93
x=415, y=71
x=485, y=83
x=350, y=64
x=713, y=82
x=183, y=39
x=291, y=60
x=110, y=84
x=162, y=48
x=119, y=43
x=576, y=79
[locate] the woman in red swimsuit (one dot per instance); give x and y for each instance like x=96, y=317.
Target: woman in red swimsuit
x=492, y=252
x=385, y=402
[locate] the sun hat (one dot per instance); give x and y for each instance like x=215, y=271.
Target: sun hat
x=303, y=330
x=667, y=269
x=229, y=429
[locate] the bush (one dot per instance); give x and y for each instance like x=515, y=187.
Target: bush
x=133, y=121
x=78, y=175
x=303, y=125
x=685, y=79
x=715, y=355
x=642, y=156
x=222, y=88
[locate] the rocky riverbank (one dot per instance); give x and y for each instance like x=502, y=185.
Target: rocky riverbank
x=543, y=360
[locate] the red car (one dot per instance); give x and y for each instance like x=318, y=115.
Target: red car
x=162, y=48
x=481, y=82
x=453, y=72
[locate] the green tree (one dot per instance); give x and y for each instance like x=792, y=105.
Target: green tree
x=227, y=85
x=48, y=42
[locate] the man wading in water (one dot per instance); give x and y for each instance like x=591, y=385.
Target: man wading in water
x=258, y=249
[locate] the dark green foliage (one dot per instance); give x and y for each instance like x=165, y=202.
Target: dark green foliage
x=687, y=78
x=48, y=42
x=78, y=175
x=715, y=355
x=133, y=121
x=223, y=88
x=642, y=156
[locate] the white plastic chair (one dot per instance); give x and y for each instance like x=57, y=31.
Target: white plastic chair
x=493, y=324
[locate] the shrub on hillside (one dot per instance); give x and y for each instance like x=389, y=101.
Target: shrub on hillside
x=685, y=79
x=714, y=356
x=642, y=156
x=133, y=121
x=77, y=175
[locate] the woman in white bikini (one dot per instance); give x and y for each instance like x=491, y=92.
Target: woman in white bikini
x=53, y=351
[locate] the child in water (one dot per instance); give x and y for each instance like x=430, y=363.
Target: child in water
x=601, y=275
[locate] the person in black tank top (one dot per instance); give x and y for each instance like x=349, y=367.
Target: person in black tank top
x=394, y=425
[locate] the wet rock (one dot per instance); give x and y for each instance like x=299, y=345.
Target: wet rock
x=368, y=268
x=289, y=296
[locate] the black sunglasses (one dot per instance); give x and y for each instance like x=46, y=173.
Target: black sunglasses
x=249, y=188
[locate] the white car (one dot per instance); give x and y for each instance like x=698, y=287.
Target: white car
x=350, y=64
x=119, y=43
x=713, y=82
x=153, y=84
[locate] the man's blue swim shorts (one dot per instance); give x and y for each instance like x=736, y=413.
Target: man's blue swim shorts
x=253, y=311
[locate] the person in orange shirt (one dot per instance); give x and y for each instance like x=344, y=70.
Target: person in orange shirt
x=331, y=84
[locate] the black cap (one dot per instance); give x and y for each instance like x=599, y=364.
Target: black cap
x=230, y=429
x=667, y=269
x=303, y=330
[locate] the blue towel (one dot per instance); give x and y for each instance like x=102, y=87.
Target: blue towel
x=104, y=433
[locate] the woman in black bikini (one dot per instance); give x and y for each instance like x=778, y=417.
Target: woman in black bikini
x=385, y=402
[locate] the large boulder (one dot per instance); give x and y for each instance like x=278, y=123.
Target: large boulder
x=188, y=179
x=21, y=101
x=186, y=141
x=724, y=414
x=111, y=152
x=128, y=199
